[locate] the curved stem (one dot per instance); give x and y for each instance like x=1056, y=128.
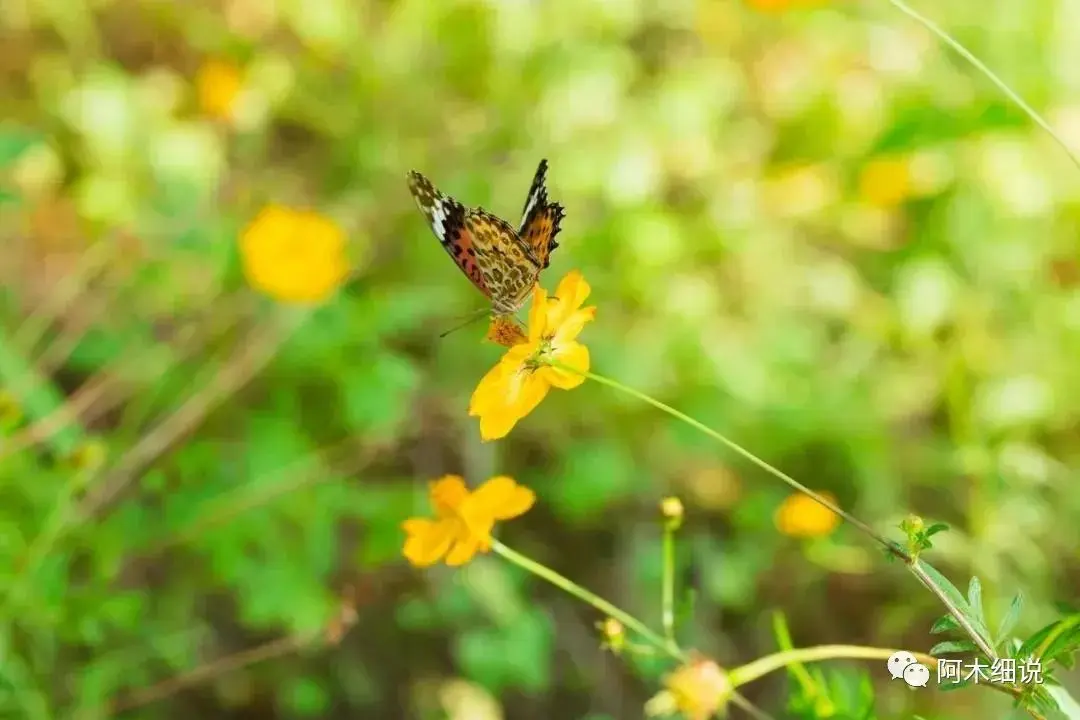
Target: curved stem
x=765, y=665
x=990, y=75
x=588, y=597
x=889, y=546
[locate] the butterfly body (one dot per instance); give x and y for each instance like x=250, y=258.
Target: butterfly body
x=503, y=263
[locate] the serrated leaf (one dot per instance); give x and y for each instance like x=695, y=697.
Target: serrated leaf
x=1028, y=647
x=974, y=597
x=953, y=646
x=950, y=591
x=1012, y=616
x=1060, y=636
x=945, y=623
x=1062, y=645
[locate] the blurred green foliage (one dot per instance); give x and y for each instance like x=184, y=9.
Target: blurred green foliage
x=813, y=229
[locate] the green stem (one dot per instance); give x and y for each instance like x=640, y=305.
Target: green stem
x=588, y=597
x=917, y=569
x=990, y=75
x=569, y=586
x=765, y=665
x=783, y=639
x=889, y=546
x=894, y=549
x=668, y=584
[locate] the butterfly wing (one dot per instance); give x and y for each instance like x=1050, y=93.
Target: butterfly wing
x=507, y=266
x=540, y=219
x=447, y=218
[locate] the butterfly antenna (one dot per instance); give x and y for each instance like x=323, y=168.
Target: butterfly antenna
x=469, y=319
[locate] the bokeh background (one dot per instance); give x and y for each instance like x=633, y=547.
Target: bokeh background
x=809, y=225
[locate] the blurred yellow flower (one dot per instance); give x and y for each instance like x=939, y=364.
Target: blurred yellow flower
x=671, y=508
x=463, y=520
x=293, y=255
x=778, y=5
x=614, y=635
x=218, y=84
x=524, y=375
x=886, y=182
x=697, y=689
x=803, y=517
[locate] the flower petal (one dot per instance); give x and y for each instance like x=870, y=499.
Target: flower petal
x=492, y=389
x=571, y=292
x=572, y=326
x=507, y=393
x=490, y=402
x=463, y=551
x=497, y=425
x=573, y=355
x=526, y=392
x=500, y=498
x=447, y=494
x=538, y=314
x=427, y=541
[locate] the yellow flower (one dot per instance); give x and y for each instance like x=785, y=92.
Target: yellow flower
x=886, y=182
x=697, y=689
x=218, y=85
x=463, y=520
x=524, y=375
x=293, y=255
x=803, y=517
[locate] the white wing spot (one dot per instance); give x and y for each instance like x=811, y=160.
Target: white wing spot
x=528, y=209
x=438, y=220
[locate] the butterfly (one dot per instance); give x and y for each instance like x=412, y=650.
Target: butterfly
x=503, y=263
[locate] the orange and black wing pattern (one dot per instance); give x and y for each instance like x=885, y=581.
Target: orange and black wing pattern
x=540, y=219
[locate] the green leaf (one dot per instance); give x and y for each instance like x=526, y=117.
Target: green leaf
x=953, y=646
x=974, y=597
x=951, y=592
x=1060, y=646
x=945, y=623
x=935, y=529
x=1012, y=616
x=1053, y=639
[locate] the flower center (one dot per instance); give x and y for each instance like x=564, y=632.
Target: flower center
x=539, y=358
